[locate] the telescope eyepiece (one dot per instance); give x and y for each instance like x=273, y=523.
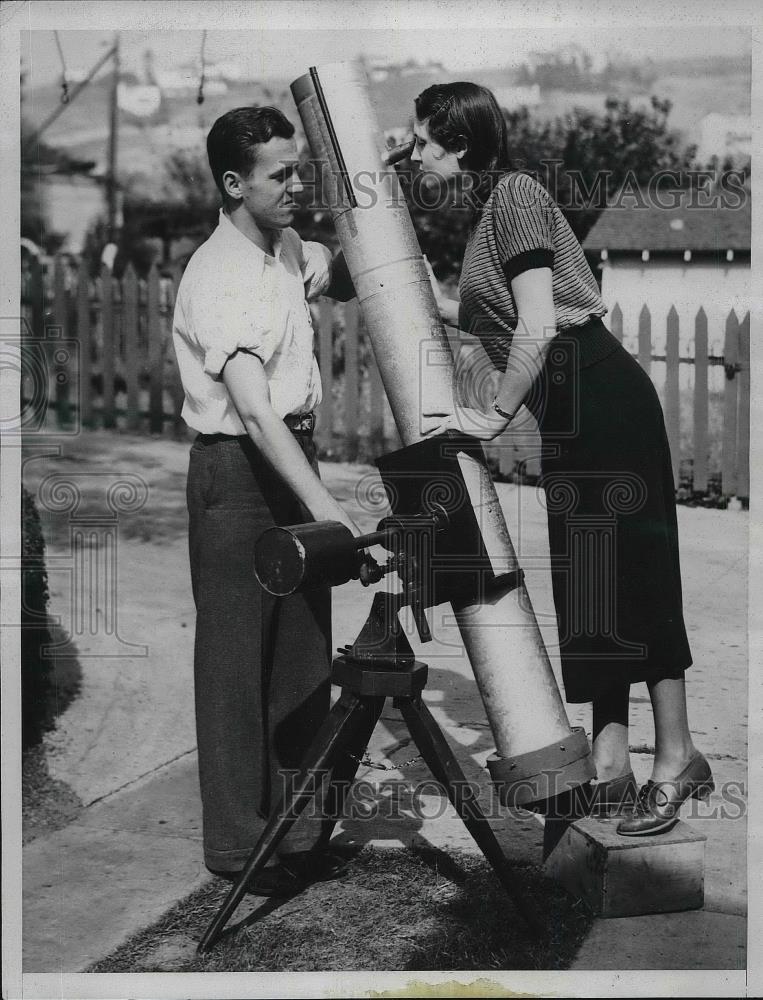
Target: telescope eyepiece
x=398, y=153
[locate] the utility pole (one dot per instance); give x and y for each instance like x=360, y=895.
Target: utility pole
x=111, y=177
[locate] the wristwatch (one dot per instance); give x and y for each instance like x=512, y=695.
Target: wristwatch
x=503, y=413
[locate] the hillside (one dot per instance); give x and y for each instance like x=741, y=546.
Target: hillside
x=695, y=86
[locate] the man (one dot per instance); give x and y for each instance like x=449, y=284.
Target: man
x=244, y=343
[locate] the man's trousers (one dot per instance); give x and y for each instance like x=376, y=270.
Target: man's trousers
x=261, y=664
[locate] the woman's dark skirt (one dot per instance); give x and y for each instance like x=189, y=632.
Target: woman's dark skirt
x=613, y=535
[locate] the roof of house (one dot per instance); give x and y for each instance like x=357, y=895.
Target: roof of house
x=671, y=229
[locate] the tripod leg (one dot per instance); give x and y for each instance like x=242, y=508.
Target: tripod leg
x=443, y=764
x=341, y=719
x=348, y=757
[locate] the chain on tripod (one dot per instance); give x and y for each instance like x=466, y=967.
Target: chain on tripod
x=366, y=761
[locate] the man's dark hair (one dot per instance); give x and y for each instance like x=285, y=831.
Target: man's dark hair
x=233, y=139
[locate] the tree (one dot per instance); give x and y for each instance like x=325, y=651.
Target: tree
x=181, y=200
x=591, y=156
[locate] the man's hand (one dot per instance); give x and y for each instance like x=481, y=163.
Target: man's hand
x=244, y=378
x=332, y=510
x=466, y=420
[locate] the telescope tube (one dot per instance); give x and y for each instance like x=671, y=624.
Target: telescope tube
x=534, y=742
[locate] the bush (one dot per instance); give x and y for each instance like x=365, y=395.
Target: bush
x=35, y=635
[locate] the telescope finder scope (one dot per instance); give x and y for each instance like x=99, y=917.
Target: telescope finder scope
x=287, y=559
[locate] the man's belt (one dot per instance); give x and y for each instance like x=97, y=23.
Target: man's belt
x=300, y=423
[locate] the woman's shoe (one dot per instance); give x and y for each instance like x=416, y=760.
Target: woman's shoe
x=659, y=802
x=613, y=798
x=600, y=800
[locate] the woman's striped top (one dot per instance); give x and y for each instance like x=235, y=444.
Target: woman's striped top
x=521, y=227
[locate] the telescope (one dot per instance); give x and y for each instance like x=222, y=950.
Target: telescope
x=446, y=535
x=497, y=625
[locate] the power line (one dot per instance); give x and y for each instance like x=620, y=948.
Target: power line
x=74, y=94
x=64, y=80
x=200, y=95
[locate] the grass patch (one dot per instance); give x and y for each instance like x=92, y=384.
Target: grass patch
x=396, y=910
x=47, y=804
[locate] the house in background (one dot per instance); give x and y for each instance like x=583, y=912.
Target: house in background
x=725, y=136
x=517, y=96
x=685, y=257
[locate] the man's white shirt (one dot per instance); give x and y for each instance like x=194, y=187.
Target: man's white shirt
x=234, y=296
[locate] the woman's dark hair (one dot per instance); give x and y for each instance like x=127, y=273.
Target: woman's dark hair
x=233, y=139
x=466, y=114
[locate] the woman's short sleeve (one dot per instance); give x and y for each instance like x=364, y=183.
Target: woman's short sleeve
x=523, y=225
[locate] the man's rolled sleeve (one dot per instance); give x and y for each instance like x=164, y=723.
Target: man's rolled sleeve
x=224, y=324
x=316, y=269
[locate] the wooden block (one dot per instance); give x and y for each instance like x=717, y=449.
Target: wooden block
x=627, y=876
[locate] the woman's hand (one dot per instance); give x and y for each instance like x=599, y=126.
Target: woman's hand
x=484, y=426
x=447, y=308
x=436, y=291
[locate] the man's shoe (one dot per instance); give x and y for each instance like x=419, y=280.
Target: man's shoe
x=314, y=866
x=273, y=881
x=659, y=802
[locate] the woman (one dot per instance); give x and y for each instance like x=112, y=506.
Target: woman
x=528, y=294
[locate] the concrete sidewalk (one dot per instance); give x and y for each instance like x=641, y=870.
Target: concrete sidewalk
x=128, y=751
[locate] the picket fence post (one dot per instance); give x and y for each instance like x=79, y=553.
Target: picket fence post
x=672, y=405
x=84, y=336
x=130, y=329
x=730, y=402
x=699, y=444
x=351, y=377
x=155, y=365
x=62, y=363
x=743, y=417
x=107, y=345
x=325, y=427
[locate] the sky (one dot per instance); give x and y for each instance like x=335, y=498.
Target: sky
x=286, y=53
